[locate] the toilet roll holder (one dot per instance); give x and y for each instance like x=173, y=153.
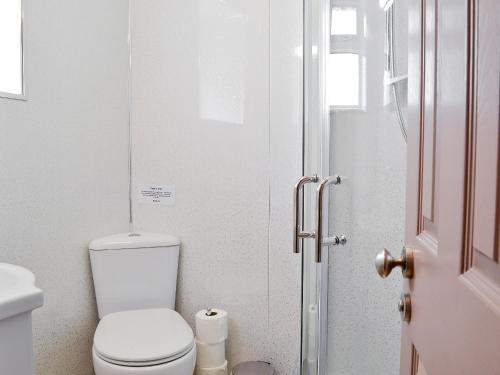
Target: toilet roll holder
x=210, y=312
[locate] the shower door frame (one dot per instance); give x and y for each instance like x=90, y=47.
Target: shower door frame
x=316, y=161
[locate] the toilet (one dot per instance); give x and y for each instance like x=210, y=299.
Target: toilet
x=139, y=332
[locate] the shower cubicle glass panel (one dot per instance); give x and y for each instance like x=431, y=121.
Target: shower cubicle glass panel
x=355, y=82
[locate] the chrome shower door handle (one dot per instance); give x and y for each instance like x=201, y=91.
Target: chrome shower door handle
x=298, y=234
x=335, y=180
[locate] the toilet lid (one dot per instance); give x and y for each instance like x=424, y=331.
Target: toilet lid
x=143, y=337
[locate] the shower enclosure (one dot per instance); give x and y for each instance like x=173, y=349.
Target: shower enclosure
x=352, y=197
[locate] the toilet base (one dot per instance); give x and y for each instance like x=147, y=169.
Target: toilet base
x=181, y=366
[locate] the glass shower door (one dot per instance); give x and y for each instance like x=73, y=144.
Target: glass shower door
x=354, y=109
x=315, y=163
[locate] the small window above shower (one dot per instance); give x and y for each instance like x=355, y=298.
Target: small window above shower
x=346, y=61
x=11, y=49
x=343, y=71
x=343, y=21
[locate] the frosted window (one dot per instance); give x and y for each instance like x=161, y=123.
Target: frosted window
x=343, y=79
x=11, y=53
x=343, y=21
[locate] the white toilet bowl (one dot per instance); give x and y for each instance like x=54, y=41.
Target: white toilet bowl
x=144, y=342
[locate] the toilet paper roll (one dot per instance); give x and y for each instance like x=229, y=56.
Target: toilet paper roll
x=210, y=355
x=221, y=370
x=211, y=326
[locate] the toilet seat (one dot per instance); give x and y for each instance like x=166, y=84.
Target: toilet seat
x=181, y=366
x=139, y=338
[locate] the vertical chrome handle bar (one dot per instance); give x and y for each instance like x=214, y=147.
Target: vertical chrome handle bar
x=335, y=180
x=298, y=234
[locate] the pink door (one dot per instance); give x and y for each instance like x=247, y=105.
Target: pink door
x=453, y=191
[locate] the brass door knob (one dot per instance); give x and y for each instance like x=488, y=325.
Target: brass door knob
x=385, y=262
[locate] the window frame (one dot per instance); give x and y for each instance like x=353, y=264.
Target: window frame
x=22, y=96
x=350, y=44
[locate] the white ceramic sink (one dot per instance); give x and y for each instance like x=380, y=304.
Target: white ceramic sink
x=18, y=297
x=18, y=292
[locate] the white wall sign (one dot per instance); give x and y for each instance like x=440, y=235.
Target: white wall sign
x=161, y=195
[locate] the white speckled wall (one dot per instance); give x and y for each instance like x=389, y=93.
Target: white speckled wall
x=63, y=166
x=285, y=168
x=200, y=83
x=217, y=112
